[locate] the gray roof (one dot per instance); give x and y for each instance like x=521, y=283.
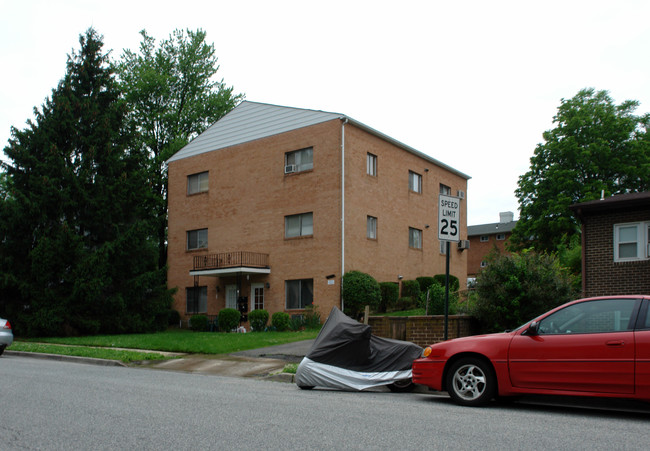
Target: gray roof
x=249, y=121
x=491, y=229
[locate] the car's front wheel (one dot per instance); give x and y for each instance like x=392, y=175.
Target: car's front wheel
x=471, y=382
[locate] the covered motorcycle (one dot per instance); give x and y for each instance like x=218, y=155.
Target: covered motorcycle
x=346, y=356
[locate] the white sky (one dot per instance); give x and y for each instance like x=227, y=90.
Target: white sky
x=472, y=83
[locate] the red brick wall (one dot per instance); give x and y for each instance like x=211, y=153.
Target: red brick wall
x=479, y=251
x=601, y=275
x=422, y=330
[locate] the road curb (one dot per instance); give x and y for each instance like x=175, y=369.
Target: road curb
x=67, y=358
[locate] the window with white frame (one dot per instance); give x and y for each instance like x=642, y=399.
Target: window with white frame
x=371, y=164
x=415, y=182
x=197, y=239
x=631, y=241
x=196, y=300
x=501, y=236
x=371, y=228
x=299, y=160
x=415, y=238
x=197, y=183
x=444, y=189
x=298, y=293
x=299, y=225
x=483, y=264
x=485, y=238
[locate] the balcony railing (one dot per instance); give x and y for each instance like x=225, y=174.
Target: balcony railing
x=231, y=260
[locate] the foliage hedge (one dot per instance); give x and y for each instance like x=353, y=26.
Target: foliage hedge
x=360, y=289
x=454, y=283
x=389, y=296
x=199, y=323
x=258, y=319
x=281, y=321
x=228, y=319
x=425, y=282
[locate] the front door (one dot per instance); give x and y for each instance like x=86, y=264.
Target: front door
x=231, y=296
x=257, y=296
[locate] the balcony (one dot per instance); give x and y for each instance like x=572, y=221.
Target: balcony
x=228, y=263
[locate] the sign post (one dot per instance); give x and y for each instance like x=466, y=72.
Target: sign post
x=448, y=230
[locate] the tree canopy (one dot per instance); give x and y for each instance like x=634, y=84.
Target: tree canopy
x=75, y=231
x=596, y=147
x=173, y=96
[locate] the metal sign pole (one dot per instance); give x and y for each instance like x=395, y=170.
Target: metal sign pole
x=447, y=293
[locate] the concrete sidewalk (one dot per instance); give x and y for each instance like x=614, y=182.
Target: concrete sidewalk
x=264, y=363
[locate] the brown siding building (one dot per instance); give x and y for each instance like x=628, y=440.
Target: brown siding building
x=615, y=244
x=271, y=205
x=484, y=239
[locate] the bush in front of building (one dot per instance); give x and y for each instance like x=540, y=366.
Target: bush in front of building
x=425, y=282
x=454, y=283
x=389, y=296
x=280, y=321
x=360, y=289
x=199, y=323
x=436, y=294
x=229, y=319
x=411, y=289
x=312, y=317
x=258, y=319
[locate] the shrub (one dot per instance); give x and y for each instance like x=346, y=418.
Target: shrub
x=173, y=318
x=312, y=317
x=405, y=303
x=359, y=290
x=258, y=319
x=513, y=289
x=425, y=282
x=454, y=284
x=199, y=323
x=228, y=319
x=280, y=320
x=296, y=323
x=411, y=289
x=437, y=300
x=389, y=295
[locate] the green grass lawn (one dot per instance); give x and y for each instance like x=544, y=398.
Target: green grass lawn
x=176, y=340
x=97, y=353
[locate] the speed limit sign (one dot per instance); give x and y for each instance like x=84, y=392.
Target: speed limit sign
x=448, y=218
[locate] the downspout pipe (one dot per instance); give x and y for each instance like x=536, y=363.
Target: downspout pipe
x=344, y=121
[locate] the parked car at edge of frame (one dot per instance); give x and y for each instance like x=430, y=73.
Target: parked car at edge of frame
x=589, y=347
x=6, y=335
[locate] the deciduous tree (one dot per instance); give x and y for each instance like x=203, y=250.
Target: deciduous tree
x=595, y=147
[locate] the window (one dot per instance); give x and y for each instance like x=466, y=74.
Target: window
x=299, y=225
x=197, y=239
x=415, y=238
x=415, y=182
x=371, y=228
x=485, y=238
x=444, y=189
x=197, y=183
x=501, y=236
x=196, y=300
x=631, y=241
x=483, y=264
x=299, y=160
x=299, y=293
x=607, y=315
x=371, y=164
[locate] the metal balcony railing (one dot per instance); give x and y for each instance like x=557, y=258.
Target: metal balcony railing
x=231, y=260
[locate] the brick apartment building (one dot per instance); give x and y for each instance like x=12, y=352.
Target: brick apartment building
x=615, y=244
x=484, y=238
x=270, y=206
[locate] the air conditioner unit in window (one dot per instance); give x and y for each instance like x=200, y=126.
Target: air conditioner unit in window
x=290, y=168
x=463, y=244
x=461, y=194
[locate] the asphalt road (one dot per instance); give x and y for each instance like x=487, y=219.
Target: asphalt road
x=61, y=405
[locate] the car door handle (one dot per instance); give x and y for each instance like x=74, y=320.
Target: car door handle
x=615, y=343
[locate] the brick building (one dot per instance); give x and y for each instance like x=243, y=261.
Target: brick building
x=484, y=238
x=615, y=244
x=272, y=205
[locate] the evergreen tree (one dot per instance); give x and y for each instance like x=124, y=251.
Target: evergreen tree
x=78, y=253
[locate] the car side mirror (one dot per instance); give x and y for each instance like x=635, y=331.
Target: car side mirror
x=533, y=329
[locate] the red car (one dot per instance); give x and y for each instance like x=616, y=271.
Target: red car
x=589, y=347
